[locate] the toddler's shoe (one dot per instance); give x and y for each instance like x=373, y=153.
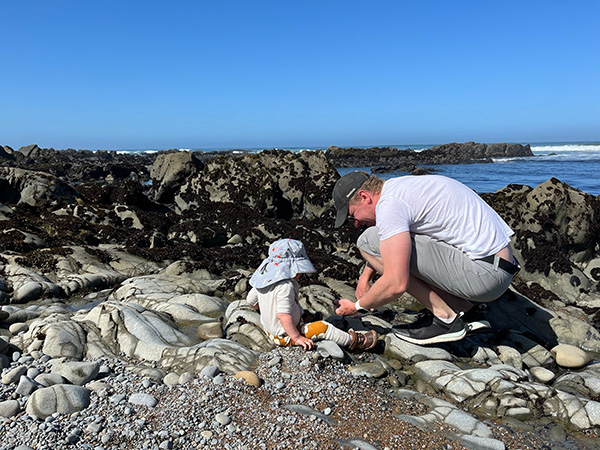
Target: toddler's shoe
x=362, y=341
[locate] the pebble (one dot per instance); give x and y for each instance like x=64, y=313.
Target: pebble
x=249, y=377
x=13, y=376
x=223, y=419
x=9, y=408
x=186, y=377
x=140, y=398
x=171, y=379
x=230, y=415
x=374, y=370
x=209, y=372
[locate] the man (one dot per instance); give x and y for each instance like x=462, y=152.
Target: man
x=437, y=240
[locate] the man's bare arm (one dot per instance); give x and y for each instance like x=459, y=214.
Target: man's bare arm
x=395, y=253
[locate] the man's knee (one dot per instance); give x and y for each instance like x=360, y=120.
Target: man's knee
x=368, y=242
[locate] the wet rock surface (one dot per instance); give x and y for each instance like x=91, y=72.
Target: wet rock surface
x=121, y=310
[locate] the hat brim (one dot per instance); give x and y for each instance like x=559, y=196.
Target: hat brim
x=341, y=216
x=273, y=271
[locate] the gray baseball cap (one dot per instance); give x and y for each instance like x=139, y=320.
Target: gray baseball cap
x=343, y=191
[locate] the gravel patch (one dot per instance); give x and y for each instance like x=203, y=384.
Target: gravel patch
x=305, y=402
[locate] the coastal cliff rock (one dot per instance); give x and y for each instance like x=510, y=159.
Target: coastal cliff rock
x=126, y=272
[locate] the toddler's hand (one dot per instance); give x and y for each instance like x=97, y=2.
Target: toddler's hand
x=305, y=343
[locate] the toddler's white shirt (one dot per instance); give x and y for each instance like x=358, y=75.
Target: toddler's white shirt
x=278, y=298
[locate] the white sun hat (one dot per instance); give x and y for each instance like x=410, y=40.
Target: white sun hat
x=287, y=257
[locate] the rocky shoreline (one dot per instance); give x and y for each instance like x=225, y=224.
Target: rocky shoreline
x=143, y=285
x=390, y=159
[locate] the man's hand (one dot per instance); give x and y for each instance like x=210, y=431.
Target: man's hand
x=345, y=307
x=304, y=342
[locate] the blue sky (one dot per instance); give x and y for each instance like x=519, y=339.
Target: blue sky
x=195, y=74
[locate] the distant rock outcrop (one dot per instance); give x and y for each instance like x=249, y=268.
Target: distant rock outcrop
x=393, y=159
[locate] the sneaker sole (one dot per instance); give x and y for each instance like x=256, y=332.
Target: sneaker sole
x=478, y=326
x=448, y=337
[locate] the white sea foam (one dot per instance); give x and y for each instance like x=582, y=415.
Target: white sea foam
x=566, y=148
x=506, y=160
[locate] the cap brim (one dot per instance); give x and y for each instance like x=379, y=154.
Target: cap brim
x=341, y=216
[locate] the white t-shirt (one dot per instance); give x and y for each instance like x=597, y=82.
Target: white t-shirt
x=278, y=298
x=444, y=209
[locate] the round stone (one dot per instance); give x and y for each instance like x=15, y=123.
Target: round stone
x=570, y=356
x=223, y=419
x=171, y=379
x=186, y=377
x=249, y=377
x=542, y=374
x=368, y=369
x=143, y=400
x=18, y=327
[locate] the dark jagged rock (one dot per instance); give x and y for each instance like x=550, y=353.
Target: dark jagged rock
x=6, y=153
x=274, y=193
x=77, y=166
x=454, y=153
x=278, y=183
x=557, y=238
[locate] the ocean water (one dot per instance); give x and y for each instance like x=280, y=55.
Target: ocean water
x=577, y=164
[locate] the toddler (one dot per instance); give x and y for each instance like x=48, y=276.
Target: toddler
x=275, y=294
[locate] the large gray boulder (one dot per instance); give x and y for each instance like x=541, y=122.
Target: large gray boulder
x=77, y=372
x=278, y=183
x=60, y=398
x=169, y=171
x=33, y=188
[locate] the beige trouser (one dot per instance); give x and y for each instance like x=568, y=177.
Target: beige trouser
x=446, y=267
